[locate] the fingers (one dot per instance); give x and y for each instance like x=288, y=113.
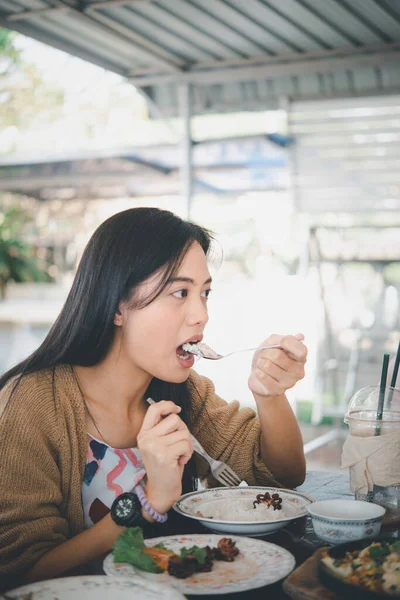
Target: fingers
x=273, y=339
x=162, y=455
x=168, y=425
x=292, y=345
x=182, y=451
x=179, y=436
x=269, y=384
x=168, y=453
x=270, y=374
x=278, y=369
x=279, y=365
x=165, y=445
x=155, y=437
x=276, y=357
x=157, y=411
x=164, y=438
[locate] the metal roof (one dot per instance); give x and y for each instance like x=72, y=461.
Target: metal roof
x=237, y=53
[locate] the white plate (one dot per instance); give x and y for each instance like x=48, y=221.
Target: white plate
x=294, y=505
x=93, y=587
x=259, y=563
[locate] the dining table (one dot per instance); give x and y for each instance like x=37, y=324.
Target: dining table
x=297, y=537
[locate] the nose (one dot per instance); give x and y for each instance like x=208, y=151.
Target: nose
x=197, y=313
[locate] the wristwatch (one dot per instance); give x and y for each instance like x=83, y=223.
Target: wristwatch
x=126, y=511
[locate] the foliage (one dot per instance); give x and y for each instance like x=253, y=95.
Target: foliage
x=129, y=549
x=23, y=93
x=17, y=259
x=392, y=273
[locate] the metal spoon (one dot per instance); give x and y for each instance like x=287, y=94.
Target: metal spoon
x=204, y=351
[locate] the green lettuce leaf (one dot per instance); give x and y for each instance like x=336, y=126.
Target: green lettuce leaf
x=199, y=553
x=129, y=549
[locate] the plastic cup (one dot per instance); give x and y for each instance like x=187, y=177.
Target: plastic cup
x=362, y=422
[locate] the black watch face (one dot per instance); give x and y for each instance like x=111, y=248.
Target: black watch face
x=124, y=508
x=127, y=511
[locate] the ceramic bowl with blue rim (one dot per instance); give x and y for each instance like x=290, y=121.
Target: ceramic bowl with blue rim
x=232, y=509
x=338, y=521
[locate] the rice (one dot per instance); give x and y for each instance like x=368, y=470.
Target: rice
x=192, y=348
x=241, y=510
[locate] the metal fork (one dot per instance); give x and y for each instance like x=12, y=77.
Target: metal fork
x=221, y=471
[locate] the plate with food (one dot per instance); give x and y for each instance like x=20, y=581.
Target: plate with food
x=199, y=563
x=251, y=511
x=363, y=569
x=92, y=587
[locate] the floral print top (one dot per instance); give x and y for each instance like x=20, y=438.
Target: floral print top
x=108, y=473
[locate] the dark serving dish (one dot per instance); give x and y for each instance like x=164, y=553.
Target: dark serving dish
x=342, y=588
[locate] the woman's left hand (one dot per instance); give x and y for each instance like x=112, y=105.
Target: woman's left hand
x=276, y=370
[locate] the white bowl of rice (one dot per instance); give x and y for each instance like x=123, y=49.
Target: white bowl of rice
x=237, y=510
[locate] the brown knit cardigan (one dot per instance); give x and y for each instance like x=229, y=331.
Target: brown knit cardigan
x=43, y=448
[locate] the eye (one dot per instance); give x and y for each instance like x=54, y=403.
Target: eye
x=206, y=293
x=180, y=293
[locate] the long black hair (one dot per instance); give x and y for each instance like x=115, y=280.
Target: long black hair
x=122, y=253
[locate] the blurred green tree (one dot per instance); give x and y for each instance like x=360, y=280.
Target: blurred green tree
x=18, y=261
x=23, y=93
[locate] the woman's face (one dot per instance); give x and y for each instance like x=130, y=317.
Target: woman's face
x=152, y=337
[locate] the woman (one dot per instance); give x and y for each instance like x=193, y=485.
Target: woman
x=76, y=431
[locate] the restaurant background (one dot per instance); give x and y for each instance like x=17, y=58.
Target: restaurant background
x=304, y=203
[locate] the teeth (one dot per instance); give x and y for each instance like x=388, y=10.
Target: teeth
x=185, y=356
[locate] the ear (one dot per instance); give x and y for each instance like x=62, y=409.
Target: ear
x=118, y=320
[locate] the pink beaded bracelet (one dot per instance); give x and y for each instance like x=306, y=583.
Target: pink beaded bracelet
x=141, y=494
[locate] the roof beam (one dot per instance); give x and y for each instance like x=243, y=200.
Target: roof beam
x=273, y=69
x=40, y=12
x=60, y=44
x=140, y=44
x=169, y=61
x=34, y=14
x=110, y=3
x=293, y=56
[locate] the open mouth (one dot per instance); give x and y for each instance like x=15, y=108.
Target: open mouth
x=187, y=350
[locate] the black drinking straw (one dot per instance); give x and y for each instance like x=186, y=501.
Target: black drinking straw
x=382, y=387
x=379, y=412
x=394, y=376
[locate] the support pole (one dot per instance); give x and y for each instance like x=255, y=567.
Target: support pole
x=186, y=171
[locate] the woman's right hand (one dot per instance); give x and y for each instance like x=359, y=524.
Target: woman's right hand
x=165, y=445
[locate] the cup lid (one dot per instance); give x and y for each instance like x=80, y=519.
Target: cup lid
x=364, y=404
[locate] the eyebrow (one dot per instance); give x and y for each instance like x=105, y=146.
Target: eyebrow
x=187, y=280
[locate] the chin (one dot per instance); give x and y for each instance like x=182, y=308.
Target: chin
x=173, y=377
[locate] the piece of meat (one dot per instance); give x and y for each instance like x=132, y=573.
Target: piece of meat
x=182, y=567
x=226, y=550
x=273, y=501
x=207, y=566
